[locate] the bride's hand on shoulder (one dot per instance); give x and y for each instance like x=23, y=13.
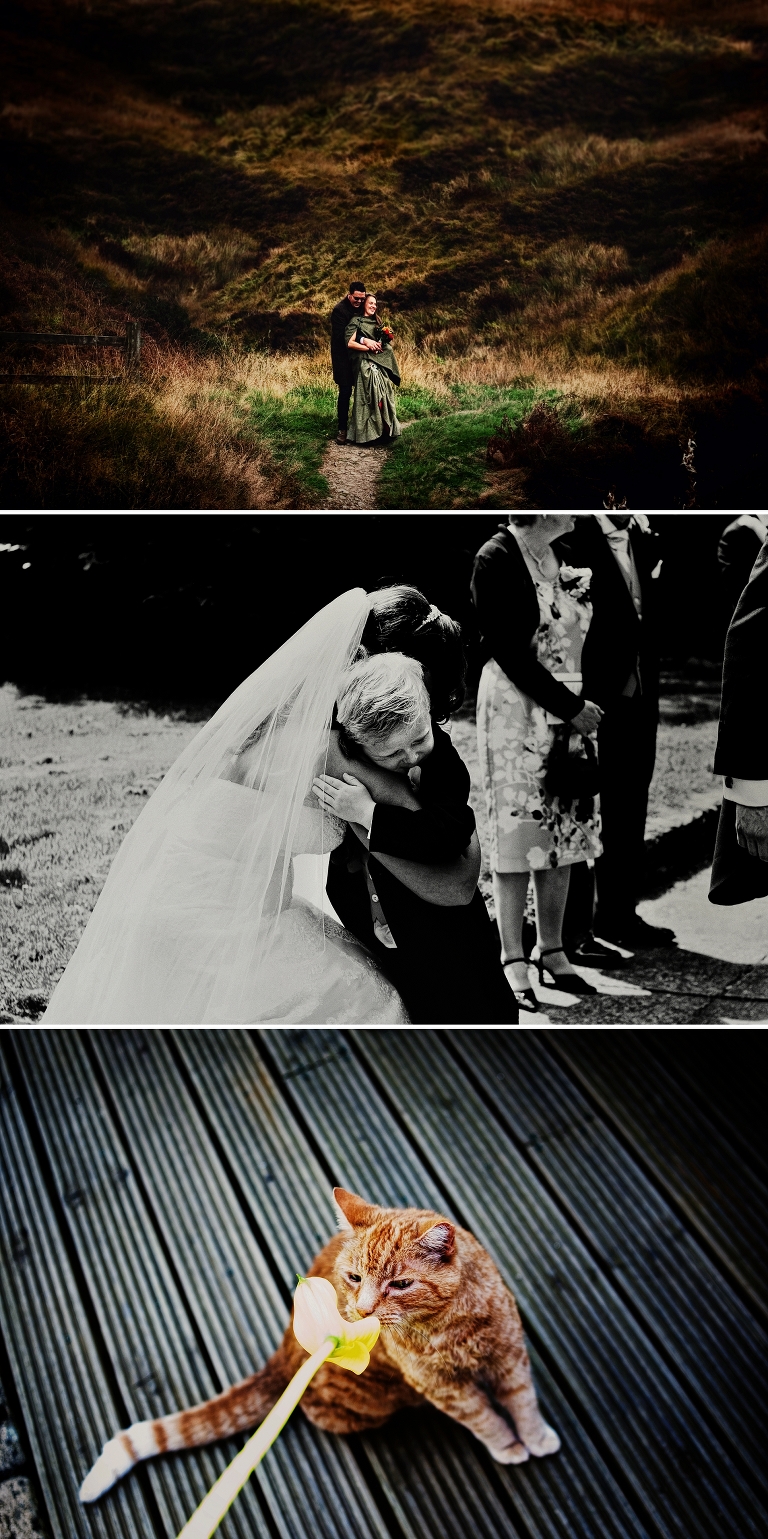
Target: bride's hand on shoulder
x=347, y=798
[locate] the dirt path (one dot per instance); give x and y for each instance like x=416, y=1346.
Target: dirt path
x=352, y=474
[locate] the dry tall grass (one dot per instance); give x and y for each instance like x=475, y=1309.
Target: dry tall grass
x=570, y=196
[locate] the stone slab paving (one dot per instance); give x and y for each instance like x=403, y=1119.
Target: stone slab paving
x=18, y=1507
x=716, y=975
x=18, y=1510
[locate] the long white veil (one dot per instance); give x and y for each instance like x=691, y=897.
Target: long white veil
x=192, y=906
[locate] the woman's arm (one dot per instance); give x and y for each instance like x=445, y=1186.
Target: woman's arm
x=449, y=884
x=434, y=830
x=383, y=785
x=500, y=600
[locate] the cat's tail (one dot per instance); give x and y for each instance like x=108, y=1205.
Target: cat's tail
x=240, y=1407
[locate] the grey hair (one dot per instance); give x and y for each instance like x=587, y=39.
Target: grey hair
x=382, y=694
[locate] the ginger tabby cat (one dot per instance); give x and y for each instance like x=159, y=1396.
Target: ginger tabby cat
x=450, y=1336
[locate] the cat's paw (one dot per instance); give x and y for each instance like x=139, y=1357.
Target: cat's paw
x=545, y=1442
x=113, y=1462
x=513, y=1453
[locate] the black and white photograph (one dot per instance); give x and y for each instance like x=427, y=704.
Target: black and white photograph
x=384, y=968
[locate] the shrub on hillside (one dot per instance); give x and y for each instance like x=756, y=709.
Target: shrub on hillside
x=556, y=458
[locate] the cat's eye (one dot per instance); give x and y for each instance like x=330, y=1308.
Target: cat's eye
x=401, y=1282
x=352, y=1277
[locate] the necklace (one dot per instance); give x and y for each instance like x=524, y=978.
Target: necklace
x=536, y=559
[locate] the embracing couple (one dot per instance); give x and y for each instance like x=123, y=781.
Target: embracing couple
x=331, y=756
x=363, y=362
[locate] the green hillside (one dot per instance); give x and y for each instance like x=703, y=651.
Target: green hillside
x=565, y=201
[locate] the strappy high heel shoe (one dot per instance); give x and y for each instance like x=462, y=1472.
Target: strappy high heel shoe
x=526, y=998
x=568, y=983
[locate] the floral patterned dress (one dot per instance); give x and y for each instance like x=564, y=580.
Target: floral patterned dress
x=529, y=829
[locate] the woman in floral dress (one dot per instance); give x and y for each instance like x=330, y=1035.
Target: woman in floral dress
x=534, y=614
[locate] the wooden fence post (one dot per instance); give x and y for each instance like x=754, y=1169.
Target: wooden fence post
x=132, y=347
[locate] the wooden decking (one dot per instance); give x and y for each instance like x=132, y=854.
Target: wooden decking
x=160, y=1190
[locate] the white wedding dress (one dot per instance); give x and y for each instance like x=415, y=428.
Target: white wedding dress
x=313, y=972
x=201, y=921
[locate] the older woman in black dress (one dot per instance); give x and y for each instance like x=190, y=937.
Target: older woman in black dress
x=534, y=614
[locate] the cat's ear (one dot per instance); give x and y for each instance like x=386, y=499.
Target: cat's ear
x=353, y=1212
x=438, y=1241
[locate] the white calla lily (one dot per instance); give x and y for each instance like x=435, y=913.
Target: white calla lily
x=316, y=1313
x=321, y=1331
x=316, y=1318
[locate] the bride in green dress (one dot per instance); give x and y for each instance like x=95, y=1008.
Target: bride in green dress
x=376, y=372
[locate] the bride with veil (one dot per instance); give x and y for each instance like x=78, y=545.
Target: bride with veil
x=199, y=921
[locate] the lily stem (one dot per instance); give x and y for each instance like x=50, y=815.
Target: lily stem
x=204, y=1522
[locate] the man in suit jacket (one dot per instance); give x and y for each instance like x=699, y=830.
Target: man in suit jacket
x=737, y=552
x=620, y=667
x=740, y=866
x=341, y=316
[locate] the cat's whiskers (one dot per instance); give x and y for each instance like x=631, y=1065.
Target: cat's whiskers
x=408, y=1329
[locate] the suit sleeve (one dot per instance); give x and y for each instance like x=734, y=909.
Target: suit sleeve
x=494, y=601
x=742, y=741
x=444, y=825
x=736, y=555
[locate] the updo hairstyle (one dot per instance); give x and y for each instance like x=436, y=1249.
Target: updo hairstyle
x=400, y=621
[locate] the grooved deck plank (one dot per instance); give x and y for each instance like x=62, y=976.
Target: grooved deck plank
x=65, y=1400
x=684, y=1480
x=225, y=1277
x=718, y=1345
x=736, y=1102
x=719, y=1193
x=188, y=1174
x=434, y=1482
x=573, y=1495
x=142, y=1316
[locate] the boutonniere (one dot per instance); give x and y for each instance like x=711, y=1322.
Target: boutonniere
x=575, y=580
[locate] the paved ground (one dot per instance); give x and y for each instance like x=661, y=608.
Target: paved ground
x=716, y=975
x=18, y=1510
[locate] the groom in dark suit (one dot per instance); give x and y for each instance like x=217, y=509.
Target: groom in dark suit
x=740, y=866
x=737, y=552
x=620, y=666
x=341, y=316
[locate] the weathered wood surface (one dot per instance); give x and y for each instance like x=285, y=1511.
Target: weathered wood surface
x=59, y=379
x=129, y=343
x=159, y=1190
x=65, y=338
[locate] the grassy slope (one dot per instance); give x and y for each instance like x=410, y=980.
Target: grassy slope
x=75, y=776
x=440, y=460
x=560, y=196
